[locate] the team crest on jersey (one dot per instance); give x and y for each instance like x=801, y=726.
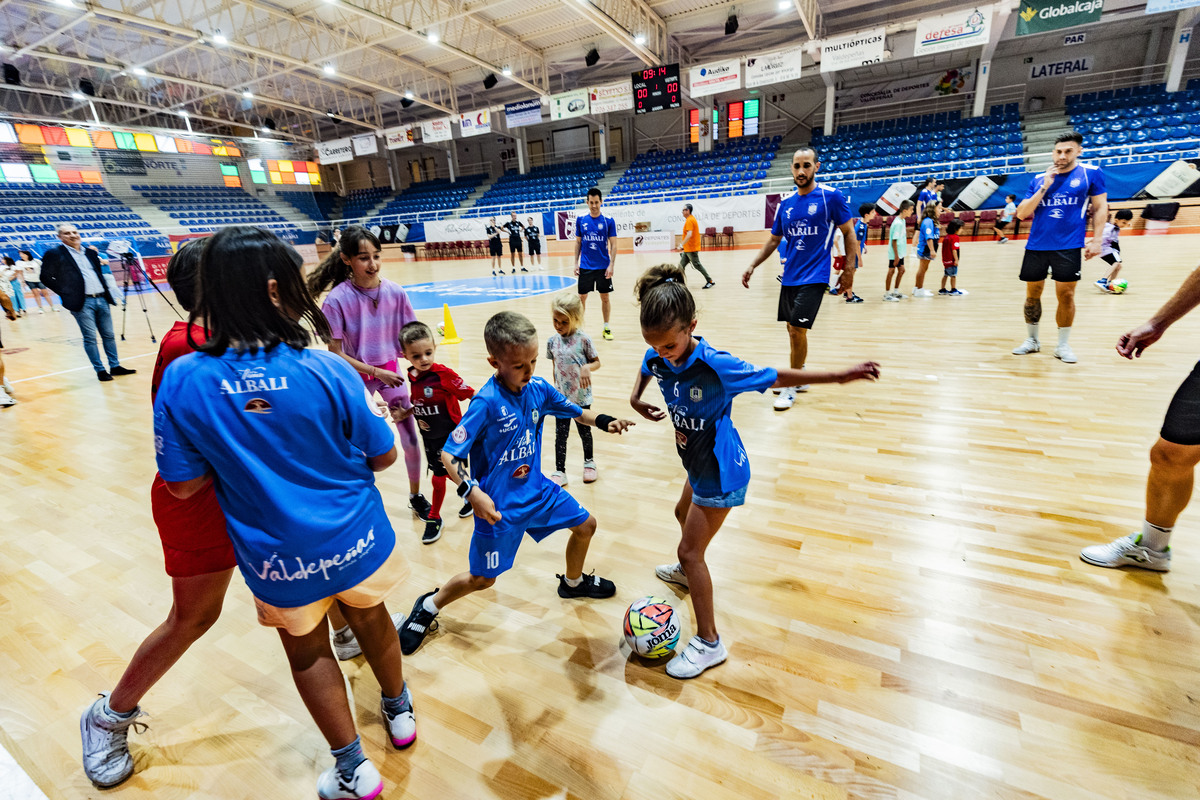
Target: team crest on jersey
x=812, y=208
x=459, y=435
x=422, y=424
x=697, y=394
x=533, y=415
x=681, y=439
x=429, y=391
x=1075, y=183
x=1056, y=213
x=258, y=406
x=521, y=472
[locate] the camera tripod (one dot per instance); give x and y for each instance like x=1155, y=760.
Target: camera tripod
x=135, y=274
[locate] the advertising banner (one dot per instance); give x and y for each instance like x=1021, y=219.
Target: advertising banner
x=776, y=67
x=1057, y=69
x=614, y=97
x=653, y=242
x=403, y=136
x=1039, y=16
x=453, y=230
x=436, y=130
x=746, y=213
x=720, y=76
x=569, y=104
x=936, y=84
x=953, y=31
x=474, y=123
x=1159, y=6
x=334, y=152
x=365, y=145
x=842, y=52
x=524, y=112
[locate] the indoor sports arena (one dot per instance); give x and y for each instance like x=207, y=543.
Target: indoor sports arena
x=329, y=475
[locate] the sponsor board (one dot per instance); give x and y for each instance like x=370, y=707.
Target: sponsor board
x=776, y=67
x=1160, y=6
x=1039, y=16
x=936, y=84
x=336, y=151
x=403, y=136
x=474, y=123
x=855, y=50
x=524, y=112
x=612, y=97
x=953, y=31
x=569, y=104
x=436, y=130
x=365, y=145
x=719, y=76
x=745, y=213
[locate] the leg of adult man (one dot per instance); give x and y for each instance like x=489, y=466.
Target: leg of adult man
x=1033, y=315
x=695, y=259
x=104, y=325
x=1066, y=304
x=798, y=341
x=605, y=307
x=1169, y=487
x=86, y=320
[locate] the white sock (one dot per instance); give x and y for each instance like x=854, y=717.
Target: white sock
x=1063, y=335
x=430, y=606
x=343, y=633
x=1154, y=537
x=1032, y=330
x=573, y=582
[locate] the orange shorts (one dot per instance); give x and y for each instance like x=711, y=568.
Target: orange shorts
x=302, y=620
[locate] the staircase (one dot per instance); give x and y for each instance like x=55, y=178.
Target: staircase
x=159, y=219
x=1039, y=129
x=472, y=199
x=287, y=211
x=610, y=178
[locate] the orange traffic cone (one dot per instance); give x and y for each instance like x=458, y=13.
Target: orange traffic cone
x=449, y=332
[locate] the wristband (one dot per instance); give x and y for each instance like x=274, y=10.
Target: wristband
x=603, y=421
x=464, y=489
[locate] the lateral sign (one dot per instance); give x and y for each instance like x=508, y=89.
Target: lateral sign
x=1039, y=16
x=1059, y=69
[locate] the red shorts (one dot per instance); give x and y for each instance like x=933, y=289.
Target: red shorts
x=839, y=263
x=194, y=538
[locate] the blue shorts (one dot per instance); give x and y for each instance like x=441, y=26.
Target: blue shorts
x=728, y=500
x=951, y=272
x=926, y=254
x=494, y=547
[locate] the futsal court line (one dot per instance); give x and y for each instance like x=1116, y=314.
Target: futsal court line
x=14, y=783
x=68, y=371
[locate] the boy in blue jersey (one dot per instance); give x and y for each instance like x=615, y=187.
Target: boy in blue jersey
x=866, y=213
x=596, y=255
x=501, y=436
x=1058, y=201
x=805, y=222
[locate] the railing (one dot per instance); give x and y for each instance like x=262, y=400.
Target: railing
x=1114, y=79
x=682, y=141
x=963, y=101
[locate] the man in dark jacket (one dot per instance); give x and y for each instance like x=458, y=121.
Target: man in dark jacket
x=77, y=276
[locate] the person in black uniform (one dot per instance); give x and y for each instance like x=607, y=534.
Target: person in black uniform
x=514, y=228
x=533, y=234
x=495, y=249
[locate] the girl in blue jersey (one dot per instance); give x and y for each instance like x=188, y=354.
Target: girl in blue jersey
x=699, y=383
x=290, y=437
x=928, y=235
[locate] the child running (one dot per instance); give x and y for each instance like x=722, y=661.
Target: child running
x=699, y=383
x=436, y=391
x=290, y=439
x=366, y=313
x=1006, y=217
x=1110, y=247
x=950, y=259
x=862, y=226
x=574, y=359
x=502, y=434
x=927, y=246
x=896, y=250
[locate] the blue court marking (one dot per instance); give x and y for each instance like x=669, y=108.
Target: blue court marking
x=470, y=291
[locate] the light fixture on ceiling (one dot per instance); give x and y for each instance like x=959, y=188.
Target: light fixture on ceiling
x=329, y=69
x=784, y=5
x=592, y=57
x=640, y=39
x=506, y=72
x=408, y=95
x=331, y=115
x=246, y=93
x=184, y=114
x=65, y=3
x=432, y=37
x=219, y=39
x=139, y=71
x=78, y=96
x=731, y=25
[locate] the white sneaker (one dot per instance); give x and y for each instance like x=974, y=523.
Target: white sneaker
x=1027, y=346
x=6, y=399
x=1065, y=354
x=786, y=399
x=402, y=728
x=696, y=658
x=891, y=297
x=560, y=478
x=922, y=293
x=672, y=573
x=106, y=759
x=6, y=386
x=346, y=647
x=364, y=784
x=1127, y=552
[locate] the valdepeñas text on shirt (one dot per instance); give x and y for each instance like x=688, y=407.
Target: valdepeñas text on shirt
x=699, y=396
x=1060, y=220
x=594, y=233
x=806, y=223
x=287, y=434
x=435, y=396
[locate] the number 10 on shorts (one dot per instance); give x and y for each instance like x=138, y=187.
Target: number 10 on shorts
x=492, y=559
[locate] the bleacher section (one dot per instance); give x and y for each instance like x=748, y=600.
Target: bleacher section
x=740, y=163
x=317, y=206
x=435, y=199
x=1140, y=123
x=360, y=201
x=549, y=188
x=32, y=210
x=207, y=209
x=993, y=142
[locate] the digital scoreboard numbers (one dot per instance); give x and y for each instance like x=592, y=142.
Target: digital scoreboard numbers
x=656, y=89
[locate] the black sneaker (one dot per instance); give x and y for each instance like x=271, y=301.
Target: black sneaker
x=103, y=376
x=943, y=291
x=709, y=285
x=433, y=531
x=420, y=507
x=592, y=586
x=466, y=511
x=419, y=624
x=854, y=299
x=119, y=370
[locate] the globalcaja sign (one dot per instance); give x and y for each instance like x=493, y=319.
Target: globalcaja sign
x=1039, y=16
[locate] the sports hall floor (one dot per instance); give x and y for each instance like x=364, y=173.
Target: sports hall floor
x=906, y=612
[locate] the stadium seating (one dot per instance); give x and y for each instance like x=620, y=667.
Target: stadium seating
x=207, y=209
x=360, y=201
x=32, y=210
x=548, y=188
x=317, y=206
x=736, y=167
x=1134, y=124
x=434, y=199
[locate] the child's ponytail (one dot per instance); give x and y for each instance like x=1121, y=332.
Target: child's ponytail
x=664, y=297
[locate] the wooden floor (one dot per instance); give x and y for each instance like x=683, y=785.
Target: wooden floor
x=905, y=610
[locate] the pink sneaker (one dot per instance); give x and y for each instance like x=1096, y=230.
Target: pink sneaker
x=589, y=472
x=559, y=478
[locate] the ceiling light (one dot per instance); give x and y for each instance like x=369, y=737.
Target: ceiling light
x=640, y=39
x=264, y=129
x=433, y=37
x=139, y=71
x=219, y=39
x=66, y=3
x=506, y=72
x=328, y=69
x=331, y=115
x=183, y=114
x=246, y=93
x=408, y=95
x=784, y=5
x=78, y=96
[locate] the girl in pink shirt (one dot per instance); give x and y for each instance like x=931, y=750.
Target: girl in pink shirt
x=366, y=313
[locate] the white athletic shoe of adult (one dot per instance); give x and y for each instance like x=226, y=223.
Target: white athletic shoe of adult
x=891, y=298
x=786, y=399
x=1026, y=347
x=346, y=647
x=106, y=759
x=7, y=386
x=1127, y=552
x=364, y=784
x=672, y=573
x=696, y=658
x=922, y=293
x=1065, y=354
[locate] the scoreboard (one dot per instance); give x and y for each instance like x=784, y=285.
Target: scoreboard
x=656, y=89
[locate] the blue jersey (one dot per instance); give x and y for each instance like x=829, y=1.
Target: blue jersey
x=1060, y=220
x=860, y=233
x=594, y=233
x=502, y=434
x=285, y=433
x=699, y=397
x=926, y=197
x=807, y=222
x=927, y=236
